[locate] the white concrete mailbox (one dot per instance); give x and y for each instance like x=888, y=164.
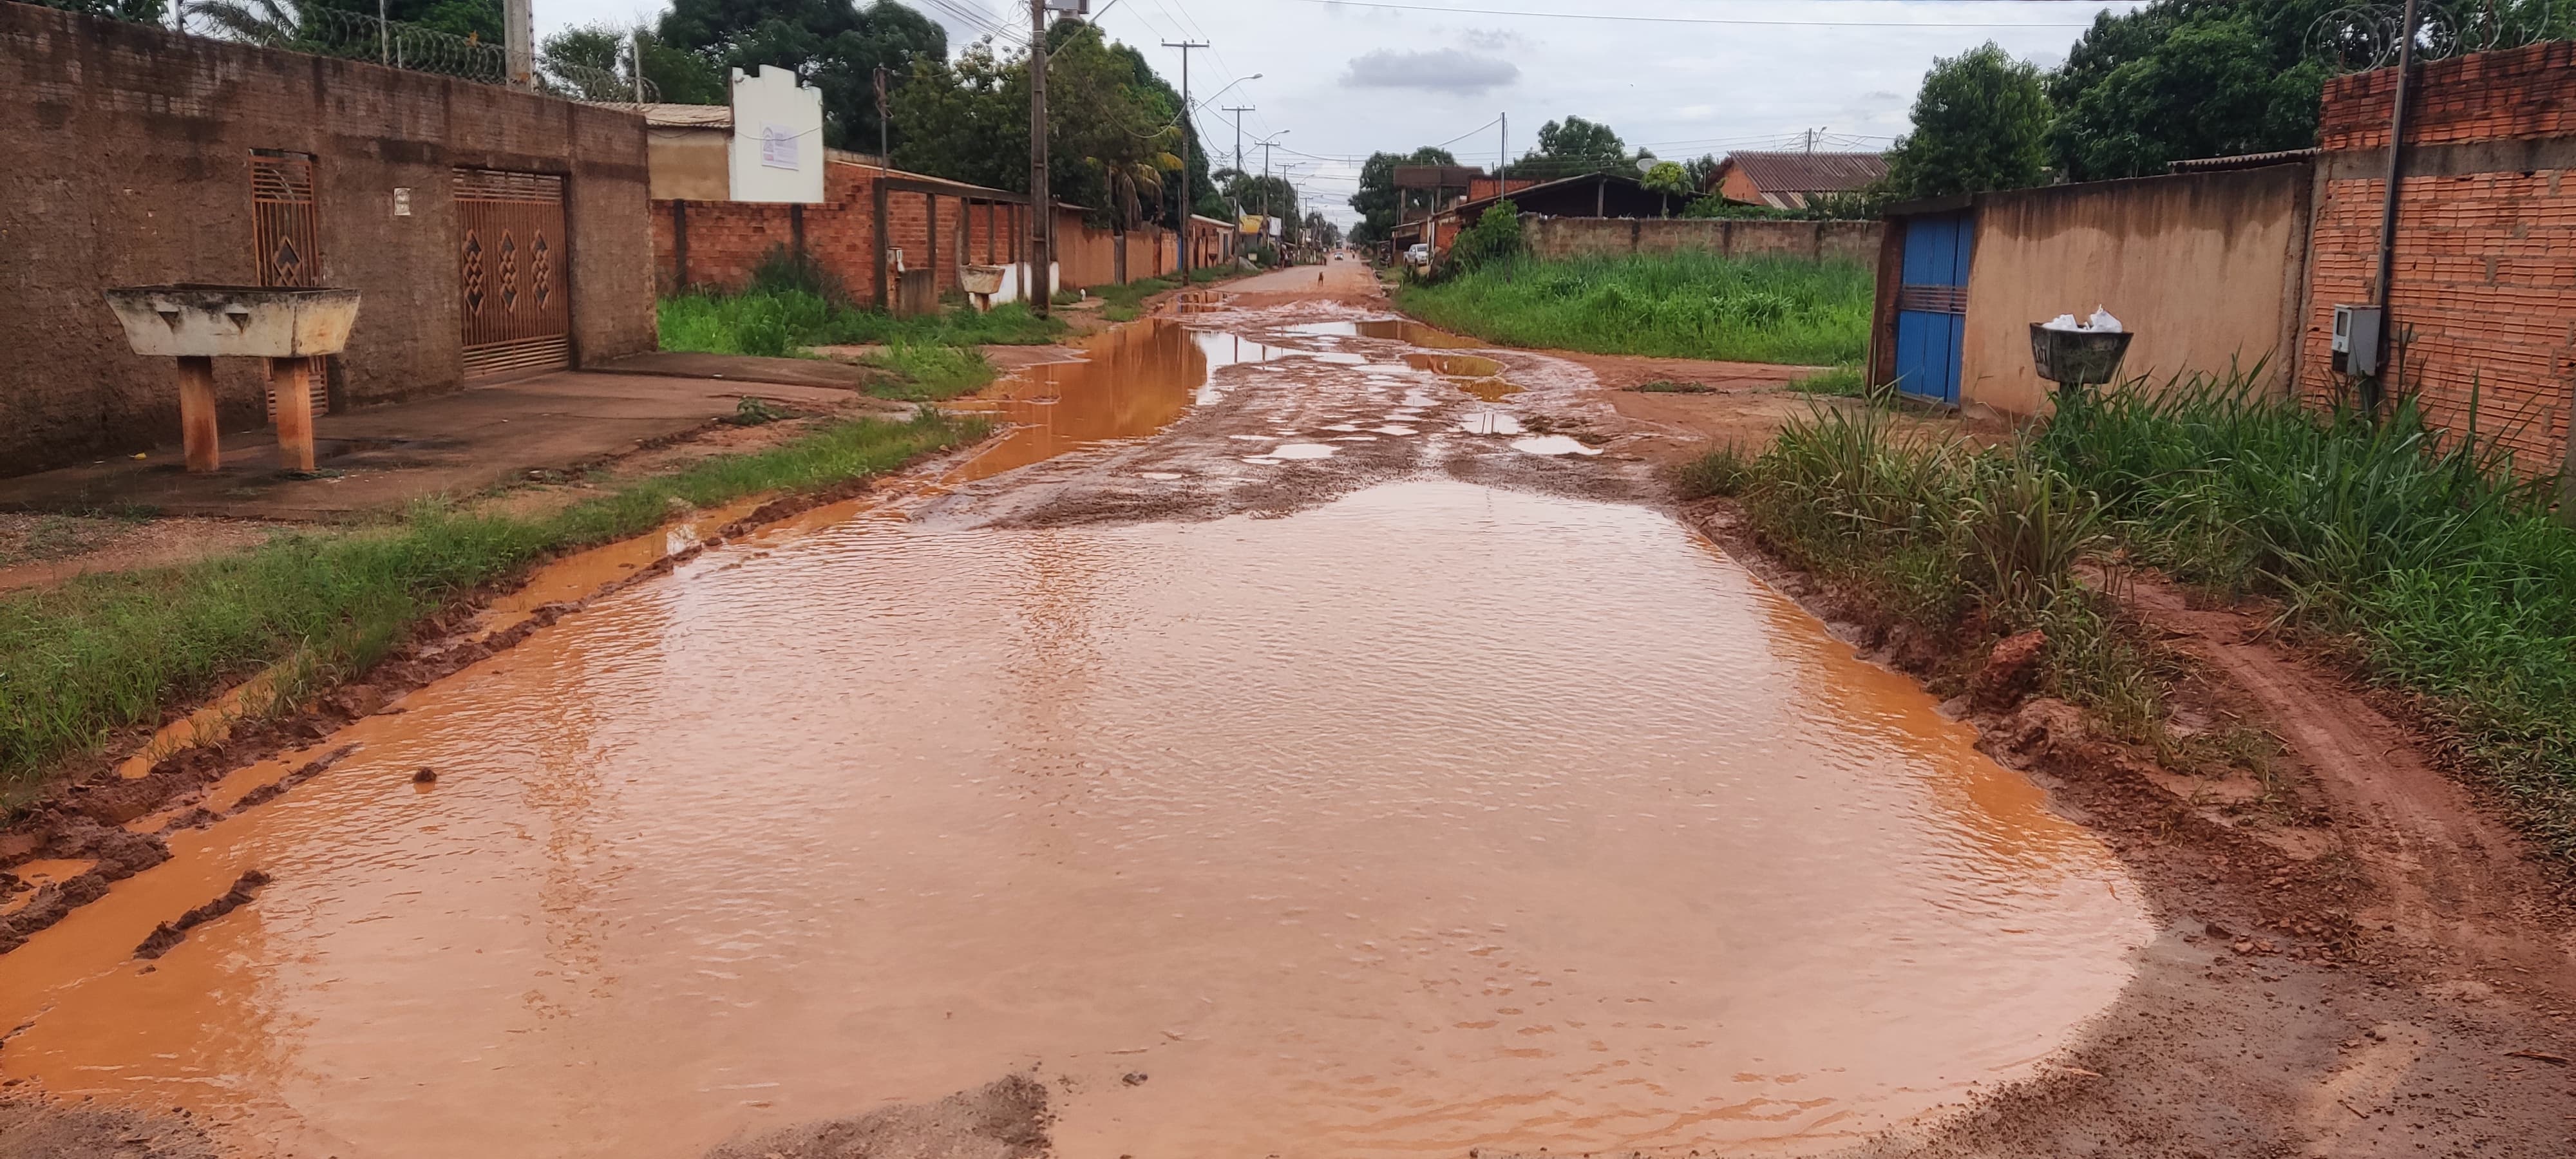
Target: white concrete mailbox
x=198, y=324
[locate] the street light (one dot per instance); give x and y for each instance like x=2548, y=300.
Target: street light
x=1202, y=101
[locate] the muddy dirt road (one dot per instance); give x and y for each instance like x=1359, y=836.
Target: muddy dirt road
x=1290, y=739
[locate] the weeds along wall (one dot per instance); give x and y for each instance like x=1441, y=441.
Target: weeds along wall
x=2482, y=293
x=2204, y=267
x=1570, y=237
x=129, y=160
x=718, y=243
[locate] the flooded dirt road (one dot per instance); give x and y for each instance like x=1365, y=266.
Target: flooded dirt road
x=1347, y=769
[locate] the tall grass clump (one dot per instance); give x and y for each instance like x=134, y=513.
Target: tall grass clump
x=1964, y=543
x=930, y=373
x=117, y=649
x=2441, y=569
x=1691, y=304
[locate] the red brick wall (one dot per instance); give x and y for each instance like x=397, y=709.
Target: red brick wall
x=2483, y=288
x=2522, y=94
x=727, y=239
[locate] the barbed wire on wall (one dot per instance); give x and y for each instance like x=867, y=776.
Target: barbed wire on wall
x=301, y=27
x=2362, y=37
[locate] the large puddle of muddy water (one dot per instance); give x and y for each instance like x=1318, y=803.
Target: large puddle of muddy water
x=1439, y=816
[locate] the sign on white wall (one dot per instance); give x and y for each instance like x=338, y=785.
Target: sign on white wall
x=777, y=149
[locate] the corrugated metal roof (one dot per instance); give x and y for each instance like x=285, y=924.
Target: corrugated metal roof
x=2240, y=161
x=670, y=116
x=1809, y=172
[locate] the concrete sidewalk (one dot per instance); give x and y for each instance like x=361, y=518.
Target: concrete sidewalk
x=453, y=443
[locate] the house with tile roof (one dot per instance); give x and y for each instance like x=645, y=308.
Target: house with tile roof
x=1788, y=180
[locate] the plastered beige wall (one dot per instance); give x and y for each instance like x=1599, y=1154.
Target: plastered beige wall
x=2204, y=268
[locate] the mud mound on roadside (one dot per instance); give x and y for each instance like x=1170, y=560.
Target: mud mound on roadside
x=1006, y=1119
x=35, y=1129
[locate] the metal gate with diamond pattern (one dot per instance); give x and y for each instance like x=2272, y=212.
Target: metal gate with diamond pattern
x=512, y=273
x=286, y=233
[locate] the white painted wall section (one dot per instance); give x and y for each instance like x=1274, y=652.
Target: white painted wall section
x=777, y=149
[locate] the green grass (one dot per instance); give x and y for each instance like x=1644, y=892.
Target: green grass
x=1966, y=544
x=113, y=650
x=1841, y=382
x=2441, y=572
x=778, y=323
x=1684, y=305
x=930, y=373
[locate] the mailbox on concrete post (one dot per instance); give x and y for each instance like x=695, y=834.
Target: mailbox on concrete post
x=197, y=324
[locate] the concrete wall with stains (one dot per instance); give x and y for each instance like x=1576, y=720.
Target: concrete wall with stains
x=1557, y=238
x=2204, y=267
x=128, y=164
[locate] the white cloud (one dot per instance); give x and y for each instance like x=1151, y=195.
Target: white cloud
x=1447, y=70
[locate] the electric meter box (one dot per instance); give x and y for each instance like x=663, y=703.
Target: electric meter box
x=2356, y=339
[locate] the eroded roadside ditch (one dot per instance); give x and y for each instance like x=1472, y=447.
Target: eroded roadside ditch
x=1350, y=768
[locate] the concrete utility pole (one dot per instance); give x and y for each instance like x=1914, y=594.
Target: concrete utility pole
x=1040, y=203
x=1503, y=157
x=2372, y=391
x=1238, y=111
x=635, y=60
x=1188, y=198
x=518, y=37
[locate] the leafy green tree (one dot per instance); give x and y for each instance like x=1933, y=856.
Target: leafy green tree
x=1257, y=194
x=138, y=11
x=1111, y=136
x=604, y=52
x=1377, y=197
x=1573, y=147
x=1980, y=123
x=833, y=45
x=2187, y=79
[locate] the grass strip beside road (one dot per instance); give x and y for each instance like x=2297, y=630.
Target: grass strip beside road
x=110, y=651
x=2428, y=562
x=928, y=372
x=778, y=323
x=1689, y=304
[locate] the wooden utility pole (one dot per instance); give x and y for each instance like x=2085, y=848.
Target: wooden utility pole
x=1189, y=199
x=1040, y=202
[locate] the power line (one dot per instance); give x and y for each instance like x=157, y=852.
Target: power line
x=1768, y=23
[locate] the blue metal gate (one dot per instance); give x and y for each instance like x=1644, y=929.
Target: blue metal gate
x=1932, y=306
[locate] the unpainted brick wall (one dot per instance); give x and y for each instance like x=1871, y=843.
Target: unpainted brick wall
x=1567, y=237
x=2482, y=296
x=728, y=239
x=128, y=151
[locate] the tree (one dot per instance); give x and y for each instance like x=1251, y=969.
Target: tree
x=604, y=67
x=2195, y=79
x=1980, y=123
x=830, y=44
x=1110, y=136
x=1702, y=170
x=1670, y=179
x=1322, y=232
x=1377, y=198
x=138, y=11
x=1573, y=147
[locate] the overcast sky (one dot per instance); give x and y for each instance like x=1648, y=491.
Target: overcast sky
x=1340, y=79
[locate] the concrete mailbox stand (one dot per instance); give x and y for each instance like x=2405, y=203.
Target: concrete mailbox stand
x=198, y=324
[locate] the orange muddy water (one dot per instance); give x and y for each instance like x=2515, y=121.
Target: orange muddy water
x=1434, y=817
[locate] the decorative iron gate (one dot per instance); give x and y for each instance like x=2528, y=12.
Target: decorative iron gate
x=286, y=233
x=512, y=273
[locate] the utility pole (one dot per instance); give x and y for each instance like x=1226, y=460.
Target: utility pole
x=1238, y=111
x=2371, y=390
x=1041, y=205
x=518, y=40
x=1188, y=198
x=635, y=57
x=1503, y=158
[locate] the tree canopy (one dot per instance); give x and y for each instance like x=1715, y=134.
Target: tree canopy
x=1376, y=199
x=833, y=45
x=1113, y=127
x=1980, y=123
x=1573, y=147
